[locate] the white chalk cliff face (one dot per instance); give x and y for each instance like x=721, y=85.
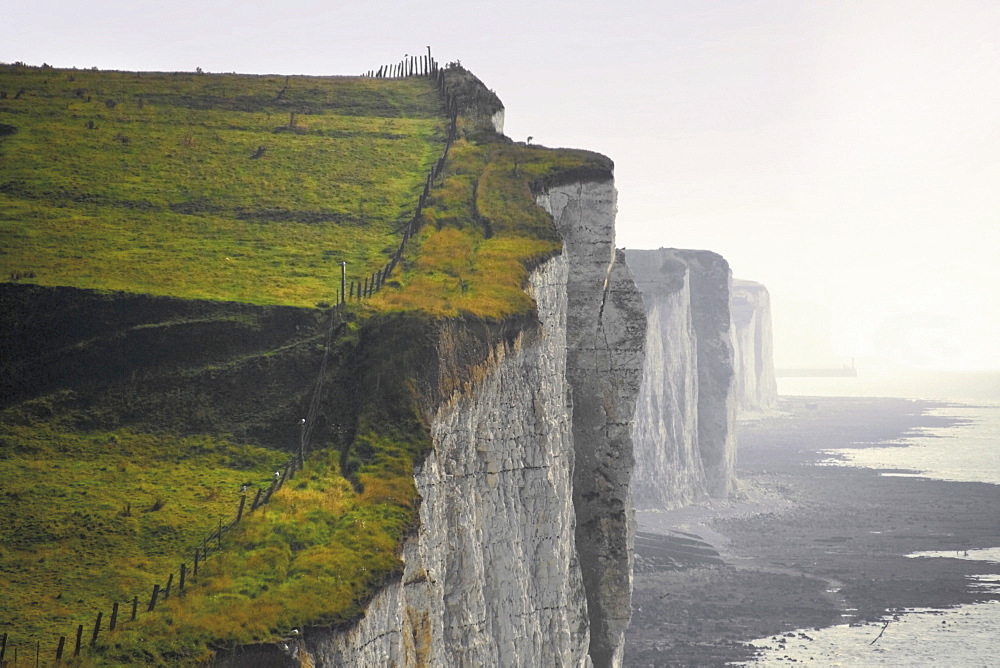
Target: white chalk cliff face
x=605, y=336
x=685, y=445
x=750, y=306
x=512, y=564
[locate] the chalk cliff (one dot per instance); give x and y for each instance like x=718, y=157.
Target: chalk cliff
x=683, y=433
x=523, y=553
x=605, y=335
x=755, y=386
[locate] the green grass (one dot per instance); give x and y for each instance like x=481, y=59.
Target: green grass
x=311, y=556
x=482, y=231
x=146, y=182
x=96, y=517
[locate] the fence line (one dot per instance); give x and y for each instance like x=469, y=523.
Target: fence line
x=424, y=66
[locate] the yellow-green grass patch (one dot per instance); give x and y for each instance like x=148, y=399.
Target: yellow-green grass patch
x=482, y=231
x=311, y=556
x=90, y=518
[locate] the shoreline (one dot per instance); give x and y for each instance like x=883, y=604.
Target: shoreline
x=808, y=546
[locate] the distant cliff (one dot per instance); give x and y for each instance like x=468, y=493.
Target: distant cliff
x=750, y=305
x=684, y=442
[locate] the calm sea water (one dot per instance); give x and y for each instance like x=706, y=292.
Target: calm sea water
x=968, y=635
x=967, y=452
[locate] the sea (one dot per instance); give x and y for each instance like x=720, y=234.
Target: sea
x=969, y=451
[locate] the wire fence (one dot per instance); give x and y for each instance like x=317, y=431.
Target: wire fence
x=419, y=66
x=83, y=637
x=175, y=582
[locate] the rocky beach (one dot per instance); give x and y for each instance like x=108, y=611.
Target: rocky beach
x=801, y=545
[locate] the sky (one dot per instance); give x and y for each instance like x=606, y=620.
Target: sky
x=846, y=154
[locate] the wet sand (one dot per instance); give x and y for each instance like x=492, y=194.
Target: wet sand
x=806, y=546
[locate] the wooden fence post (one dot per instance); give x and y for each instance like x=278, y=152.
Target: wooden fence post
x=256, y=499
x=239, y=511
x=183, y=574
x=152, y=599
x=114, y=617
x=135, y=606
x=97, y=628
x=79, y=636
x=170, y=581
x=3, y=646
x=59, y=649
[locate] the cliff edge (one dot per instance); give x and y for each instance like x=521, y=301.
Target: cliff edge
x=523, y=553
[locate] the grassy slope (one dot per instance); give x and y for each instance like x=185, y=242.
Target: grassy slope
x=98, y=516
x=321, y=549
x=312, y=556
x=146, y=182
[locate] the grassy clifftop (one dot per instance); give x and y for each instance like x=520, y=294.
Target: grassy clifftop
x=230, y=187
x=217, y=218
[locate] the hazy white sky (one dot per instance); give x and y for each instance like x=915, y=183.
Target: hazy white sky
x=844, y=153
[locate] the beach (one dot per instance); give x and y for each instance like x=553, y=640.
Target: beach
x=803, y=545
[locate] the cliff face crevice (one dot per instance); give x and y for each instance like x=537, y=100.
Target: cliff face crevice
x=523, y=552
x=685, y=443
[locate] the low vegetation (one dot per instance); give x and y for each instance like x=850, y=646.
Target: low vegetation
x=229, y=187
x=95, y=517
x=311, y=556
x=482, y=230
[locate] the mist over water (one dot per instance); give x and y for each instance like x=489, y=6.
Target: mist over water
x=981, y=388
x=966, y=452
